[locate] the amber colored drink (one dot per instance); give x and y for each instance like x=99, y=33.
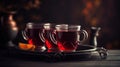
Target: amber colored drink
x=33, y=35
x=67, y=41
x=49, y=44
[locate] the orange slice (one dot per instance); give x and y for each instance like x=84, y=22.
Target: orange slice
x=24, y=46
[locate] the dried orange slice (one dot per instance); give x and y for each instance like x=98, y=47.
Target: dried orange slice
x=24, y=46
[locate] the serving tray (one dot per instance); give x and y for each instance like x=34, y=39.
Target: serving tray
x=83, y=52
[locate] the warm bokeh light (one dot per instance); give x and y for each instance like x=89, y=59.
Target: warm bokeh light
x=87, y=13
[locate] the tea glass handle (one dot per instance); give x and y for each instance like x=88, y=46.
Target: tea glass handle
x=41, y=35
x=85, y=35
x=52, y=37
x=24, y=35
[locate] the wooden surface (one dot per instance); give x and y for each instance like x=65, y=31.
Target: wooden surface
x=113, y=60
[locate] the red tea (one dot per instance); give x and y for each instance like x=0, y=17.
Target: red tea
x=49, y=44
x=33, y=37
x=67, y=41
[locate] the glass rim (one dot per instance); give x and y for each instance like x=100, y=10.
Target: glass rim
x=67, y=27
x=38, y=25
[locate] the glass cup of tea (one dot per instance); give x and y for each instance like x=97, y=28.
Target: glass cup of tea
x=31, y=34
x=67, y=37
x=48, y=29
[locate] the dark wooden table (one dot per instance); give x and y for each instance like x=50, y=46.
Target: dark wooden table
x=113, y=60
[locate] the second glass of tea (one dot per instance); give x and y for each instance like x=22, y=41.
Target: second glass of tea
x=47, y=32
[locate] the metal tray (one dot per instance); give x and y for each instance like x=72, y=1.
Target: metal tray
x=83, y=52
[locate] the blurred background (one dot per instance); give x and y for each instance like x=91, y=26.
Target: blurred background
x=87, y=13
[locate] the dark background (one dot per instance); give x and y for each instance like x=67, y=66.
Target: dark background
x=87, y=13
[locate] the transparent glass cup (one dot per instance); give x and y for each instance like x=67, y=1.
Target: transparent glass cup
x=67, y=37
x=31, y=34
x=48, y=29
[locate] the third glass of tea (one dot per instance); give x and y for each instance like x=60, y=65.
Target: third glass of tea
x=67, y=37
